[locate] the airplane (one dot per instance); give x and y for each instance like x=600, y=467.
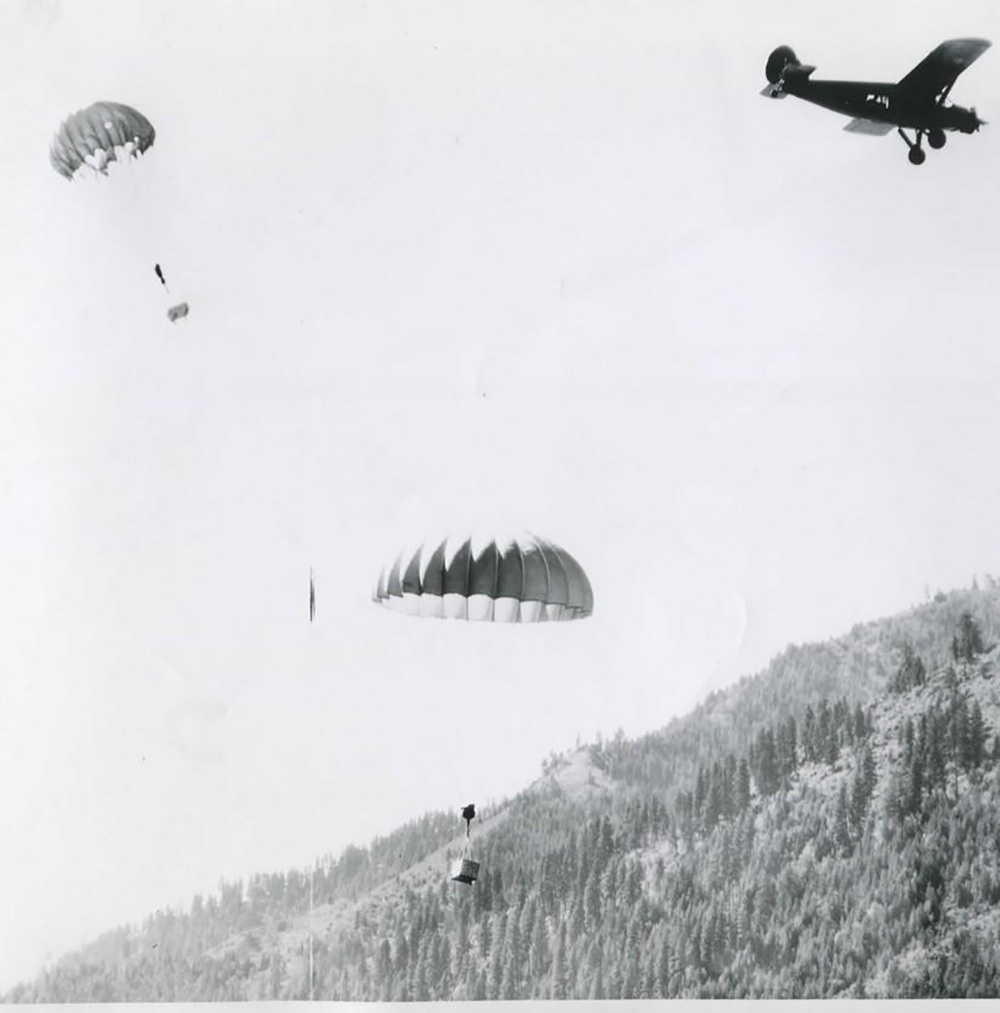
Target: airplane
x=917, y=102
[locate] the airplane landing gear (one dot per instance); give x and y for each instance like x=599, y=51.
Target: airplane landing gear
x=936, y=139
x=917, y=154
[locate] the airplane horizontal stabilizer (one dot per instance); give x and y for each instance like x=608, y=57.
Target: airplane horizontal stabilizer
x=872, y=127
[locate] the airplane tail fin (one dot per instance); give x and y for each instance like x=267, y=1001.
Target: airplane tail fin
x=778, y=62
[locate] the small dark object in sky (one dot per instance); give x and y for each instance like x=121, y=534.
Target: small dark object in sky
x=468, y=814
x=159, y=274
x=916, y=102
x=312, y=597
x=178, y=311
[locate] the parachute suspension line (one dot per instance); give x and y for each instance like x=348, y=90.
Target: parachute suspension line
x=121, y=197
x=139, y=196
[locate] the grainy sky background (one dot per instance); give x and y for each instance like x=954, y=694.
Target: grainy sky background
x=555, y=265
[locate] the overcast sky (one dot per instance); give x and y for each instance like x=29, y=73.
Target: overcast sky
x=554, y=266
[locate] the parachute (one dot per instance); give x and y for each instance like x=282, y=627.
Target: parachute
x=87, y=142
x=523, y=579
x=97, y=135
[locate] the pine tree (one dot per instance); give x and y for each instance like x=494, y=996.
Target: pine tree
x=975, y=740
x=860, y=724
x=869, y=772
x=597, y=989
x=743, y=786
x=919, y=674
x=969, y=640
x=916, y=785
x=706, y=941
x=729, y=787
x=935, y=756
x=631, y=984
x=824, y=730
x=713, y=801
x=842, y=829
x=958, y=730
x=809, y=735
x=421, y=991
x=859, y=795
x=559, y=971
x=767, y=763
x=663, y=968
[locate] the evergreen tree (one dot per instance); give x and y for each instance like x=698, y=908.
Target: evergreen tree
x=597, y=989
x=809, y=732
x=767, y=763
x=663, y=968
x=842, y=828
x=743, y=786
x=969, y=639
x=559, y=969
x=860, y=724
x=713, y=801
x=916, y=785
x=908, y=739
x=935, y=756
x=729, y=787
x=869, y=773
x=975, y=740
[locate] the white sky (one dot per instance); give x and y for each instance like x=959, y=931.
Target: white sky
x=554, y=264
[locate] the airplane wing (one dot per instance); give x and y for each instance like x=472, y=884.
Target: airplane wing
x=873, y=127
x=938, y=71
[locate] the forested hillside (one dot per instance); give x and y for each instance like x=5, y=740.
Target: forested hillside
x=828, y=827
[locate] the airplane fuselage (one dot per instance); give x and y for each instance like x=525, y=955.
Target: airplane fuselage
x=881, y=102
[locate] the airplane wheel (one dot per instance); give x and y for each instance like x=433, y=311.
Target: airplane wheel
x=936, y=139
x=917, y=156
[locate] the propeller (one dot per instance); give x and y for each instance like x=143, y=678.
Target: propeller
x=979, y=123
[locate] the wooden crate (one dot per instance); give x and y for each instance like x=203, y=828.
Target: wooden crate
x=465, y=870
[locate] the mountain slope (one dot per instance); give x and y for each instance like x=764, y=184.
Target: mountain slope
x=829, y=827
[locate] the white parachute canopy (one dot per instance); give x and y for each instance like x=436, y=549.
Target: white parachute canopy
x=505, y=579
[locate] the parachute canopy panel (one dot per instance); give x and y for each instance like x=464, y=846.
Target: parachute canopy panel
x=520, y=579
x=94, y=136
